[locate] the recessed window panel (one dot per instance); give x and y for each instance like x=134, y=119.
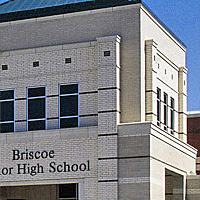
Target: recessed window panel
x=165, y=110
x=36, y=125
x=7, y=111
x=68, y=113
x=172, y=113
x=7, y=94
x=6, y=127
x=69, y=89
x=36, y=108
x=68, y=191
x=68, y=122
x=69, y=105
x=36, y=92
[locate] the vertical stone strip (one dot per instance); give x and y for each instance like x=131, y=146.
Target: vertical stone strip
x=108, y=116
x=182, y=107
x=150, y=81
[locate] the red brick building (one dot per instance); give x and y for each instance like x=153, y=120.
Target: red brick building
x=193, y=123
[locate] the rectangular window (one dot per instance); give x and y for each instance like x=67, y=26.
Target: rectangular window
x=165, y=111
x=68, y=191
x=36, y=108
x=158, y=106
x=7, y=119
x=68, y=111
x=172, y=115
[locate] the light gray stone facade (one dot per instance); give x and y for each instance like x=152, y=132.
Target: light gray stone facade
x=118, y=151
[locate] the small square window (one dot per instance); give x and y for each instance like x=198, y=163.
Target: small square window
x=68, y=60
x=4, y=67
x=106, y=53
x=36, y=64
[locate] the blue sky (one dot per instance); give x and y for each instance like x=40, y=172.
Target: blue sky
x=182, y=17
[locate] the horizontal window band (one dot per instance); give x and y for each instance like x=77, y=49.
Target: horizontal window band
x=106, y=181
x=104, y=135
x=110, y=88
x=91, y=92
x=109, y=111
x=50, y=96
x=121, y=158
x=7, y=122
x=50, y=118
x=89, y=115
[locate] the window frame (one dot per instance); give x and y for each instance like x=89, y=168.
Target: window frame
x=59, y=104
x=8, y=122
x=38, y=97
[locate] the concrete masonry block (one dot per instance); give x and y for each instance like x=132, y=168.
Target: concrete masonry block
x=109, y=100
x=107, y=169
x=107, y=191
x=107, y=146
x=107, y=122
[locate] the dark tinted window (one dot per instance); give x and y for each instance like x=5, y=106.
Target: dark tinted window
x=69, y=191
x=8, y=94
x=36, y=108
x=7, y=111
x=68, y=122
x=36, y=64
x=165, y=109
x=69, y=105
x=68, y=60
x=4, y=67
x=36, y=92
x=36, y=125
x=172, y=113
x=6, y=127
x=69, y=89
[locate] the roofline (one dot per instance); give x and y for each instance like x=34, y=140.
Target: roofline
x=67, y=8
x=164, y=25
x=192, y=114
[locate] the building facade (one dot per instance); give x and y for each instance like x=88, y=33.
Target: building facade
x=93, y=103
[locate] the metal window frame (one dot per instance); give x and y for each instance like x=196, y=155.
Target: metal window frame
x=72, y=94
x=8, y=122
x=38, y=97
